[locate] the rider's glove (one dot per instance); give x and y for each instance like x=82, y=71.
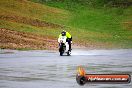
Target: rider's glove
x=71, y=42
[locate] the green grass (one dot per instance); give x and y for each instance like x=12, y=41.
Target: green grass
x=87, y=24
x=31, y=10
x=93, y=23
x=29, y=29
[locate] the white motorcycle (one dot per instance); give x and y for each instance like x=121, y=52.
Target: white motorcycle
x=63, y=46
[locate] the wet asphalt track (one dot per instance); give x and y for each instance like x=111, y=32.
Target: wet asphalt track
x=46, y=69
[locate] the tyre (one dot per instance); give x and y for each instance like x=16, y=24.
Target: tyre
x=61, y=50
x=61, y=53
x=68, y=53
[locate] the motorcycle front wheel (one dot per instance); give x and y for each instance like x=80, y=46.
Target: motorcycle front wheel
x=61, y=50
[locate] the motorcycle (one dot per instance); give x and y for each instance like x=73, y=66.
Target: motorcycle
x=63, y=46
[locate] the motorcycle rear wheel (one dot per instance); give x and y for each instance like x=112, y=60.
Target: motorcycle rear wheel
x=68, y=53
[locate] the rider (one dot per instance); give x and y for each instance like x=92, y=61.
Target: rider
x=69, y=37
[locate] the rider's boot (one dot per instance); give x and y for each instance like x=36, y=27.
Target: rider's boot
x=70, y=47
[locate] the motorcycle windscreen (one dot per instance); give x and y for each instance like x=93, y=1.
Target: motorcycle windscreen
x=62, y=39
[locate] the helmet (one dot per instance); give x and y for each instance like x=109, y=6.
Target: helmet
x=63, y=33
